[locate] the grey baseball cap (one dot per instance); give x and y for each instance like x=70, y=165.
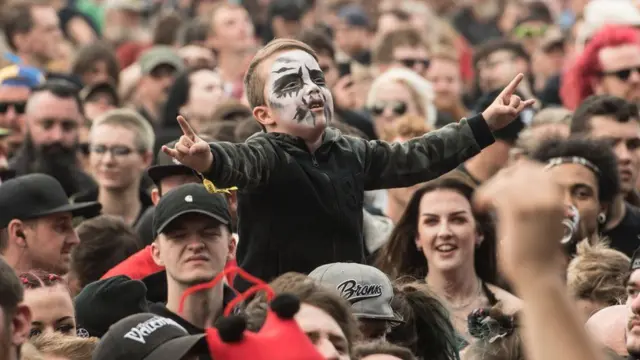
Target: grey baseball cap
x=368, y=289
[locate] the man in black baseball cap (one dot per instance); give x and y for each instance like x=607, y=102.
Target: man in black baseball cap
x=166, y=175
x=193, y=242
x=149, y=337
x=36, y=223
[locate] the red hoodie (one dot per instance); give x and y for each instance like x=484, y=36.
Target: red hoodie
x=140, y=265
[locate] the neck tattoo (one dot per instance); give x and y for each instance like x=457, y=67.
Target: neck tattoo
x=297, y=90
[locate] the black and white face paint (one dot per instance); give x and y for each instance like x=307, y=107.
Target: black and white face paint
x=297, y=92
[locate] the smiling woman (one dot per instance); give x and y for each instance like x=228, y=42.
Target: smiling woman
x=440, y=239
x=49, y=300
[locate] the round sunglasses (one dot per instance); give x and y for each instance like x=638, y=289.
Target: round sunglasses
x=397, y=107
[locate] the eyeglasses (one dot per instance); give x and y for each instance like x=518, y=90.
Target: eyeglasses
x=622, y=74
x=19, y=107
x=115, y=151
x=410, y=63
x=397, y=107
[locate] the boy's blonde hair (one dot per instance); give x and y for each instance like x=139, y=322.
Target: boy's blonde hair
x=254, y=82
x=129, y=119
x=71, y=347
x=597, y=273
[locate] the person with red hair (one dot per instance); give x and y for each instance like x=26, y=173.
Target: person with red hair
x=610, y=64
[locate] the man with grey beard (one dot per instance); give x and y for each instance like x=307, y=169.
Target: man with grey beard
x=53, y=116
x=15, y=318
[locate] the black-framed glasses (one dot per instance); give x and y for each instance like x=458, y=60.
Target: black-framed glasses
x=622, y=74
x=116, y=150
x=19, y=107
x=410, y=63
x=398, y=108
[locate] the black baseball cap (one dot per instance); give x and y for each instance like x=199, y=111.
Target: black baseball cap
x=189, y=199
x=167, y=166
x=36, y=195
x=102, y=87
x=146, y=337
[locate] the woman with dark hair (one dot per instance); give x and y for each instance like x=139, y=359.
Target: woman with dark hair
x=440, y=239
x=426, y=329
x=96, y=63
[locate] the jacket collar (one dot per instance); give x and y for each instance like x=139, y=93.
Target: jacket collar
x=328, y=138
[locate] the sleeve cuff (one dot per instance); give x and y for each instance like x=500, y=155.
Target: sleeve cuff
x=481, y=131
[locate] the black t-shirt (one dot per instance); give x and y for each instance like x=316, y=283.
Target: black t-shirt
x=626, y=236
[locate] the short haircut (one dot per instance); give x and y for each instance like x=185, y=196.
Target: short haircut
x=311, y=293
x=105, y=241
x=552, y=115
x=319, y=42
x=254, y=82
x=597, y=273
x=598, y=152
x=70, y=347
x=4, y=240
x=485, y=50
x=129, y=119
x=88, y=55
x=382, y=53
x=214, y=11
x=363, y=350
x=10, y=288
x=619, y=109
x=59, y=88
x=16, y=19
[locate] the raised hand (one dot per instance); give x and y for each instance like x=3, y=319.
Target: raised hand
x=190, y=150
x=506, y=106
x=529, y=227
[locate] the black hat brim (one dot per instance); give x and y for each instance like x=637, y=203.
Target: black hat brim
x=158, y=172
x=176, y=348
x=189, y=211
x=83, y=209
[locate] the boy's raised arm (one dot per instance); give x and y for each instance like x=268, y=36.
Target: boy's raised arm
x=225, y=164
x=393, y=165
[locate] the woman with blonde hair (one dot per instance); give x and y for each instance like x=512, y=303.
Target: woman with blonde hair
x=400, y=92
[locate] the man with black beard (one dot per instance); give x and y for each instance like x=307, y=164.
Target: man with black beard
x=15, y=317
x=53, y=117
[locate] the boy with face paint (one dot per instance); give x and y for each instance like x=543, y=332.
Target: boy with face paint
x=301, y=183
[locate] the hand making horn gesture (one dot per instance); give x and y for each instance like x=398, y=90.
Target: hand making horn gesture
x=190, y=150
x=506, y=106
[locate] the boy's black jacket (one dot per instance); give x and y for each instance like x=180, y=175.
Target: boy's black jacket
x=298, y=210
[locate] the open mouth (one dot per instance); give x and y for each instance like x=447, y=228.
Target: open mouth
x=446, y=248
x=316, y=104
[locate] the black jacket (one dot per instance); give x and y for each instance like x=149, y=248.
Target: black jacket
x=298, y=210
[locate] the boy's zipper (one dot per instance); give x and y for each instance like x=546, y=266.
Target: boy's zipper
x=314, y=161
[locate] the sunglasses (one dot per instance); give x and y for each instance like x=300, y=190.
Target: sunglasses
x=410, y=63
x=528, y=32
x=397, y=107
x=622, y=74
x=19, y=107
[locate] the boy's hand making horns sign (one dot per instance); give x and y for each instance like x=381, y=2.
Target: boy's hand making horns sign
x=191, y=150
x=506, y=106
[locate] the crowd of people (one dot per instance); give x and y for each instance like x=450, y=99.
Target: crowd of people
x=320, y=179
